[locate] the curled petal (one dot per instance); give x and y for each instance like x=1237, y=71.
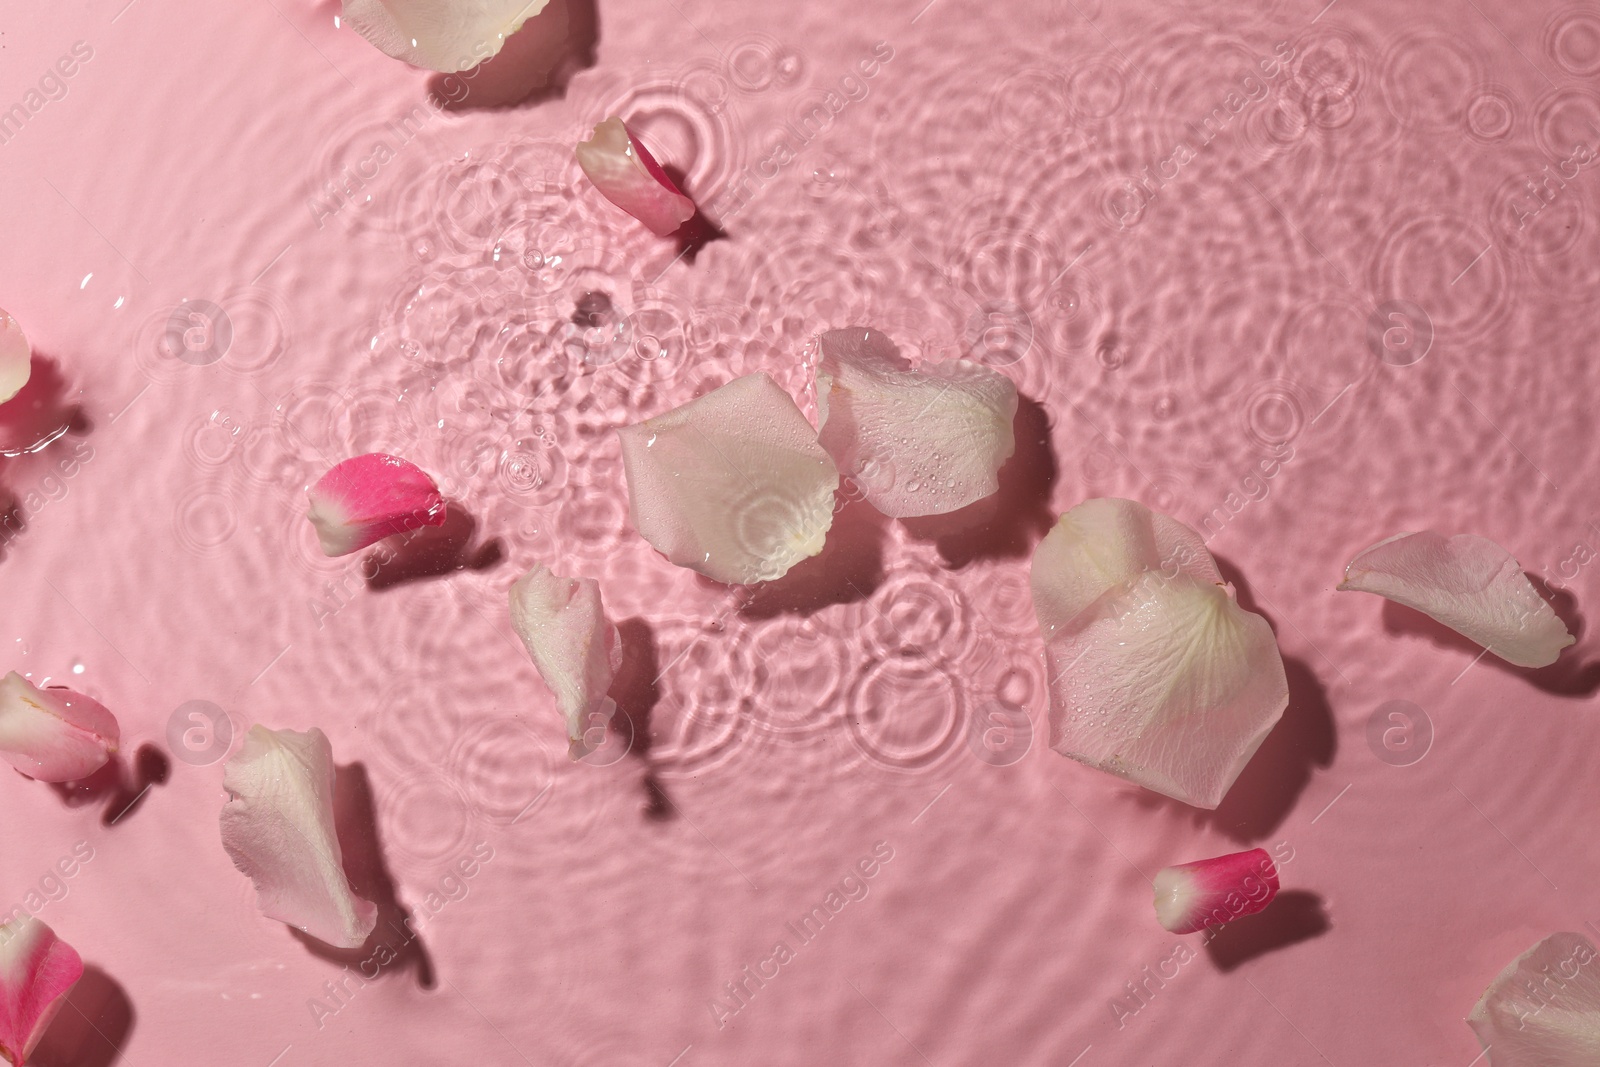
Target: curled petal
x=53, y=735
x=1211, y=892
x=16, y=357
x=563, y=624
x=1469, y=584
x=278, y=828
x=37, y=970
x=1157, y=675
x=919, y=441
x=1544, y=1009
x=625, y=172
x=733, y=485
x=365, y=499
x=442, y=35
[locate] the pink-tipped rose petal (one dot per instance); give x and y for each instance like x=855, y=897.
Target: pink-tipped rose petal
x=733, y=485
x=278, y=828
x=1469, y=584
x=625, y=172
x=442, y=35
x=918, y=441
x=53, y=735
x=1192, y=896
x=564, y=626
x=365, y=499
x=1157, y=675
x=1544, y=1009
x=16, y=357
x=37, y=971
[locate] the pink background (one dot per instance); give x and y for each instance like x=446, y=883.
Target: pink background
x=1179, y=333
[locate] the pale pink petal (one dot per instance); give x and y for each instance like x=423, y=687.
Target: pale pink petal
x=37, y=970
x=368, y=498
x=53, y=735
x=16, y=357
x=918, y=441
x=1211, y=892
x=1544, y=1009
x=278, y=828
x=625, y=172
x=1469, y=584
x=563, y=625
x=733, y=485
x=443, y=35
x=1156, y=674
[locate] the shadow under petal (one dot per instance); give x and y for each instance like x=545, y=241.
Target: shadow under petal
x=848, y=569
x=532, y=67
x=121, y=786
x=92, y=1026
x=1569, y=676
x=431, y=552
x=40, y=412
x=635, y=689
x=1293, y=916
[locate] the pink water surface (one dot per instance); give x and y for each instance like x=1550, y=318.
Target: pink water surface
x=1302, y=275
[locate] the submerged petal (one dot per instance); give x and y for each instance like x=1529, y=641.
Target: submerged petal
x=1192, y=896
x=443, y=35
x=920, y=441
x=1469, y=584
x=53, y=735
x=37, y=970
x=365, y=499
x=278, y=828
x=16, y=357
x=1544, y=1009
x=563, y=625
x=1157, y=675
x=733, y=485
x=625, y=172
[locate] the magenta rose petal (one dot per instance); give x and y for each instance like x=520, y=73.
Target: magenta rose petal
x=278, y=828
x=1469, y=584
x=625, y=172
x=563, y=624
x=37, y=970
x=53, y=735
x=365, y=499
x=1191, y=896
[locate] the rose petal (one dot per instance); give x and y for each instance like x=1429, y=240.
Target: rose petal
x=1191, y=896
x=733, y=485
x=443, y=35
x=368, y=498
x=278, y=828
x=921, y=441
x=1157, y=675
x=625, y=172
x=53, y=735
x=16, y=357
x=563, y=624
x=37, y=970
x=1544, y=1009
x=1469, y=584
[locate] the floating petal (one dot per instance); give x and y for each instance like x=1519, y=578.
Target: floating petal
x=53, y=735
x=563, y=624
x=625, y=172
x=1544, y=1009
x=1469, y=584
x=733, y=485
x=365, y=499
x=1157, y=675
x=921, y=441
x=37, y=970
x=278, y=828
x=16, y=357
x=443, y=35
x=1211, y=892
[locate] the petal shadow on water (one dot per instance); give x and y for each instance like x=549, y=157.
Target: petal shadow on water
x=848, y=569
x=1569, y=676
x=1293, y=916
x=91, y=1027
x=636, y=691
x=1008, y=523
x=699, y=231
x=40, y=412
x=123, y=787
x=432, y=552
x=394, y=945
x=532, y=67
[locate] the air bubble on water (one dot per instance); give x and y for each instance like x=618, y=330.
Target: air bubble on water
x=77, y=667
